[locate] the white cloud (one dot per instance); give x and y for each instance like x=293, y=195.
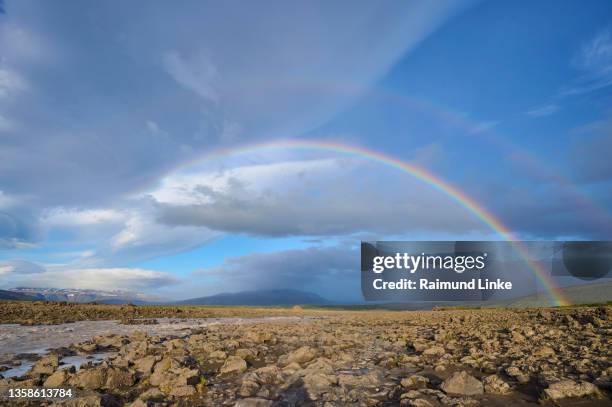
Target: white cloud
x=72, y=217
x=141, y=237
x=277, y=68
x=306, y=198
x=594, y=60
x=144, y=233
x=19, y=43
x=6, y=200
x=196, y=74
x=483, y=127
x=542, y=111
x=6, y=124
x=196, y=185
x=10, y=83
x=78, y=254
x=152, y=126
x=286, y=63
x=596, y=55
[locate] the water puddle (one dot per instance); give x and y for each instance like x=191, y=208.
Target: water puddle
x=65, y=363
x=17, y=371
x=78, y=361
x=16, y=338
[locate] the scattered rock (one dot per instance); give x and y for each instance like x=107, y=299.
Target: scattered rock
x=462, y=383
x=119, y=378
x=416, y=403
x=344, y=358
x=218, y=354
x=517, y=374
x=317, y=384
x=434, y=351
x=94, y=400
x=246, y=354
x=233, y=365
x=253, y=402
x=570, y=388
x=545, y=351
x=302, y=355
x=45, y=366
x=182, y=391
x=57, y=379
x=495, y=385
x=415, y=382
x=145, y=365
x=90, y=379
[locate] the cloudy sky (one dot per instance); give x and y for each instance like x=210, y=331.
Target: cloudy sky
x=113, y=114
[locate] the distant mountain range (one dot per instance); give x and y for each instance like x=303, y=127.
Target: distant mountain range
x=579, y=294
x=78, y=295
x=600, y=292
x=16, y=296
x=260, y=297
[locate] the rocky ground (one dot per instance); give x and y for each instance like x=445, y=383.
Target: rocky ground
x=46, y=312
x=367, y=358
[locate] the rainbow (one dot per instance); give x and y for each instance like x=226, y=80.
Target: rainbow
x=555, y=294
x=536, y=166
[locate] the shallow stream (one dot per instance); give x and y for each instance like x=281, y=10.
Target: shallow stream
x=21, y=346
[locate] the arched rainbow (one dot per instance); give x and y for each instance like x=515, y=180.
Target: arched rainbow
x=556, y=295
x=535, y=165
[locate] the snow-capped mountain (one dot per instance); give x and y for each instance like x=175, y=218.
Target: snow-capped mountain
x=85, y=295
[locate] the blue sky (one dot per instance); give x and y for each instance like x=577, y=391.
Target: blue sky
x=107, y=108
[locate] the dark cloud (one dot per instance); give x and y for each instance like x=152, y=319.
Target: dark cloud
x=329, y=271
x=548, y=210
